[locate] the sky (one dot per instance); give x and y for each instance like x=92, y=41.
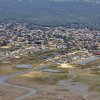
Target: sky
x=95, y=1
x=92, y=1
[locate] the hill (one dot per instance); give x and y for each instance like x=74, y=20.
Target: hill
x=50, y=11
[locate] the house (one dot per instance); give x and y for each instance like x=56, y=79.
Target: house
x=97, y=53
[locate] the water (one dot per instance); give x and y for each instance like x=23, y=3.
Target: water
x=89, y=60
x=2, y=79
x=24, y=66
x=52, y=71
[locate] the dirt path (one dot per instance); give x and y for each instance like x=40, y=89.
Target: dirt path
x=3, y=80
x=76, y=87
x=31, y=91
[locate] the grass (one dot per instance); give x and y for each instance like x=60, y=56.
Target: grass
x=91, y=64
x=8, y=68
x=54, y=67
x=26, y=60
x=87, y=79
x=95, y=87
x=2, y=93
x=93, y=82
x=50, y=78
x=35, y=61
x=45, y=98
x=88, y=65
x=96, y=71
x=10, y=71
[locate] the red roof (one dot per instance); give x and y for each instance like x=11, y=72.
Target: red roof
x=97, y=53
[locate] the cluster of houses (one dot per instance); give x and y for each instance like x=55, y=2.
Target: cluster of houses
x=24, y=38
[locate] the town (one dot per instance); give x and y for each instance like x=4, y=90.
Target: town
x=48, y=63
x=23, y=38
x=49, y=49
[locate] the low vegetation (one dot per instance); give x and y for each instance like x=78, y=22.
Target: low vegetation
x=93, y=82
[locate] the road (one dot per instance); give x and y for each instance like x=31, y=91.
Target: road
x=32, y=91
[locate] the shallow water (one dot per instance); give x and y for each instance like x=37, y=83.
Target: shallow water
x=2, y=79
x=24, y=66
x=52, y=71
x=89, y=60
